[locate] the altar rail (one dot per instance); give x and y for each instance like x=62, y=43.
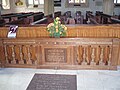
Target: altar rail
x=100, y=31
x=62, y=53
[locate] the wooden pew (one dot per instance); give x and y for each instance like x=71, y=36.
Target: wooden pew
x=106, y=19
x=15, y=16
x=22, y=21
x=91, y=19
x=87, y=15
x=38, y=16
x=115, y=21
x=10, y=17
x=79, y=18
x=32, y=16
x=57, y=14
x=2, y=22
x=24, y=15
x=22, y=18
x=45, y=20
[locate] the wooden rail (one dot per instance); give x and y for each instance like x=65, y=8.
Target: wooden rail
x=62, y=53
x=112, y=31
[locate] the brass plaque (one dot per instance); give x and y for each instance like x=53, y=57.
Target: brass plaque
x=55, y=55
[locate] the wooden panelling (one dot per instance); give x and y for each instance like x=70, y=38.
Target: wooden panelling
x=85, y=45
x=62, y=53
x=112, y=31
x=4, y=32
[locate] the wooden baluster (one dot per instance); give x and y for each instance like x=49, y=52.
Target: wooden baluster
x=97, y=54
x=29, y=55
x=21, y=55
x=93, y=57
x=13, y=55
x=110, y=56
x=88, y=54
x=78, y=59
x=33, y=54
x=101, y=56
x=25, y=53
x=17, y=53
x=84, y=57
x=80, y=54
x=36, y=55
x=6, y=54
x=106, y=54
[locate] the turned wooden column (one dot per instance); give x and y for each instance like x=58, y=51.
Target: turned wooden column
x=108, y=7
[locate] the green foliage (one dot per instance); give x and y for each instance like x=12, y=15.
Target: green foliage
x=56, y=29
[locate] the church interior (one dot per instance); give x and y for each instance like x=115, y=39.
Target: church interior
x=60, y=37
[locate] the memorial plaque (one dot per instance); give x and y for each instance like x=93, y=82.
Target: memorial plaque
x=53, y=82
x=55, y=55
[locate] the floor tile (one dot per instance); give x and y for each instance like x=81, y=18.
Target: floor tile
x=19, y=78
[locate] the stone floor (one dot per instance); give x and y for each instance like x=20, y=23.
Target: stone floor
x=19, y=78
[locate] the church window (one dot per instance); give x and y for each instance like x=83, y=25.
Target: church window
x=117, y=2
x=76, y=3
x=5, y=4
x=71, y=1
x=35, y=3
x=83, y=1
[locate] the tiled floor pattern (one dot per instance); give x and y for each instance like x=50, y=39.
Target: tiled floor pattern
x=19, y=78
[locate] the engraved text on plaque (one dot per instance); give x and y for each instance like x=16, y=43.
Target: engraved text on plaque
x=55, y=55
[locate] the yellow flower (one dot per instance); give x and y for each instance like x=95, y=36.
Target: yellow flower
x=56, y=27
x=60, y=32
x=57, y=22
x=56, y=30
x=51, y=24
x=57, y=18
x=65, y=28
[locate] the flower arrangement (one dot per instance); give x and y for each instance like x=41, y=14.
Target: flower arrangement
x=56, y=29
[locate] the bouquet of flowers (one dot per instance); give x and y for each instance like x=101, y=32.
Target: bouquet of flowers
x=56, y=29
